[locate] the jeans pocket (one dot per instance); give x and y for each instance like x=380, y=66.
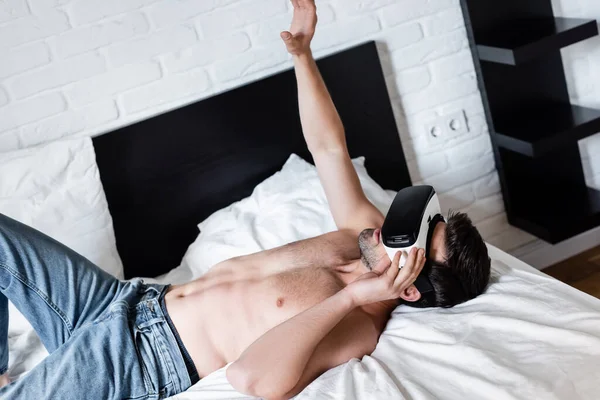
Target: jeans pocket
x=153, y=363
x=139, y=341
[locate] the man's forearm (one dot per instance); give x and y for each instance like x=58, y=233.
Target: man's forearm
x=321, y=123
x=276, y=360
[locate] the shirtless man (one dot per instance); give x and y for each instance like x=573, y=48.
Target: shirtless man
x=281, y=317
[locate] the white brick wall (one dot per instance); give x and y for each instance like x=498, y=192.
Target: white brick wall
x=70, y=122
x=33, y=109
x=456, y=176
x=458, y=198
x=79, y=40
x=85, y=11
x=582, y=65
x=113, y=82
x=350, y=31
x=482, y=208
x=171, y=13
x=57, y=74
x=41, y=5
x=206, y=52
x=162, y=41
x=399, y=37
x=174, y=87
x=33, y=27
x=9, y=140
x=3, y=97
x=248, y=63
x=227, y=19
x=407, y=10
x=83, y=67
x=262, y=32
x=23, y=58
x=10, y=9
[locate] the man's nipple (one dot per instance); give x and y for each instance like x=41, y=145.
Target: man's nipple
x=280, y=302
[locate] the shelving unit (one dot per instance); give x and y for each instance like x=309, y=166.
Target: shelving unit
x=537, y=131
x=522, y=40
x=533, y=126
x=564, y=225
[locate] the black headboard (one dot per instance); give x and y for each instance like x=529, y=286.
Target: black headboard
x=164, y=175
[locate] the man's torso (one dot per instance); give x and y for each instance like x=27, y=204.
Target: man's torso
x=220, y=314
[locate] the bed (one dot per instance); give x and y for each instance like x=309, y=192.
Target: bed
x=178, y=184
x=528, y=337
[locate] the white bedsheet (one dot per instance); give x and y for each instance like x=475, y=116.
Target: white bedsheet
x=528, y=337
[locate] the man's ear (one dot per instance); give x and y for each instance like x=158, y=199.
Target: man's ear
x=411, y=294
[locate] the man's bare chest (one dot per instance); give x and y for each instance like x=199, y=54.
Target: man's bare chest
x=242, y=298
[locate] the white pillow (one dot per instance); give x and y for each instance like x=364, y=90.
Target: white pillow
x=56, y=189
x=288, y=206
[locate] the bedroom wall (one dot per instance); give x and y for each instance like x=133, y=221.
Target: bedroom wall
x=582, y=68
x=582, y=64
x=84, y=67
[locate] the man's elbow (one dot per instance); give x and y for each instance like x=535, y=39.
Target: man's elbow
x=328, y=148
x=244, y=381
x=240, y=378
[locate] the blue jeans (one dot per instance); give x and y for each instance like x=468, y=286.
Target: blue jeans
x=107, y=339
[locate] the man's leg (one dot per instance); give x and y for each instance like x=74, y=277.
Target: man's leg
x=99, y=362
x=3, y=346
x=56, y=289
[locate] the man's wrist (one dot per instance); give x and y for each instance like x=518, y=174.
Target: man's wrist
x=303, y=57
x=348, y=298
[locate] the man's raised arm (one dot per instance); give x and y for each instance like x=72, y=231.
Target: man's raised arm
x=323, y=129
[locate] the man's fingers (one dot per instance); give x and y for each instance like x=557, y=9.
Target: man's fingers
x=294, y=3
x=286, y=36
x=290, y=41
x=407, y=270
x=410, y=260
x=395, y=264
x=417, y=263
x=412, y=269
x=393, y=269
x=304, y=3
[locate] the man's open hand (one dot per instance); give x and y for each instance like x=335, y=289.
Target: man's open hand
x=371, y=287
x=297, y=39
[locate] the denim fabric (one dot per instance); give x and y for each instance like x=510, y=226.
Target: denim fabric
x=107, y=339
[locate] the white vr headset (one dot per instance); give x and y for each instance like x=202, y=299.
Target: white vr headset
x=409, y=223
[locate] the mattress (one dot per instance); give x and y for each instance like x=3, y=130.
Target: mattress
x=528, y=337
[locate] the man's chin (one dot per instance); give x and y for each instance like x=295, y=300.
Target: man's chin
x=365, y=262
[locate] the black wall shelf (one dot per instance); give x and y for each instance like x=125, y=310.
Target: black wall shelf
x=533, y=126
x=520, y=41
x=535, y=132
x=568, y=223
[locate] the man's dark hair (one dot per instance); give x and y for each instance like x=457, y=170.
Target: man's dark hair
x=466, y=271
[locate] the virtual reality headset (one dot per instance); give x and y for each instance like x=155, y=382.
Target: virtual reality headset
x=409, y=223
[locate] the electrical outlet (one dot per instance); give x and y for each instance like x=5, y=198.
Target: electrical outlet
x=447, y=126
x=457, y=124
